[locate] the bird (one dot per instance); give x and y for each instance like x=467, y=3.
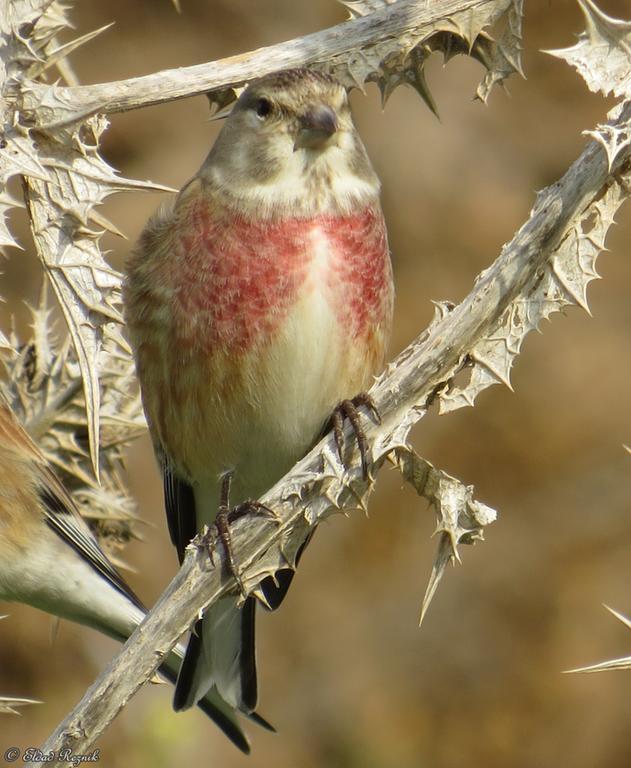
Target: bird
x=259, y=302
x=50, y=559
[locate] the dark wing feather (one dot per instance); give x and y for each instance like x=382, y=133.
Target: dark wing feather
x=187, y=670
x=64, y=519
x=179, y=502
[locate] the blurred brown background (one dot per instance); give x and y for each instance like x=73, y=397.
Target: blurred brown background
x=345, y=674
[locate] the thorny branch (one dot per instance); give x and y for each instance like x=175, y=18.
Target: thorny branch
x=367, y=48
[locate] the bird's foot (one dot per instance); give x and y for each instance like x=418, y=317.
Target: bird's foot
x=348, y=409
x=220, y=530
x=251, y=507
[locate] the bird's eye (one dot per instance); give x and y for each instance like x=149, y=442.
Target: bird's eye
x=263, y=108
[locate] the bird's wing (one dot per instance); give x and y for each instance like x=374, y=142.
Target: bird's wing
x=179, y=502
x=59, y=508
x=67, y=523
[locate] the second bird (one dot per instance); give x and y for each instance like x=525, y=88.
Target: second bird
x=256, y=303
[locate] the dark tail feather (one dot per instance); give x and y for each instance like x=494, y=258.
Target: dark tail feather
x=256, y=718
x=228, y=726
x=249, y=688
x=187, y=670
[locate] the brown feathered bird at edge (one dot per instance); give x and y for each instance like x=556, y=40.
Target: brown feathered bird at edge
x=258, y=304
x=50, y=559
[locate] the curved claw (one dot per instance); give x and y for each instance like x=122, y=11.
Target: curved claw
x=349, y=409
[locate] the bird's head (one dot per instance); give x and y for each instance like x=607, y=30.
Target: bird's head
x=290, y=141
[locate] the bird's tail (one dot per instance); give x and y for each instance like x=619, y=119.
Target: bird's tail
x=221, y=657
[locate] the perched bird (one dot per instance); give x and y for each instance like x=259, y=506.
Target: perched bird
x=256, y=304
x=50, y=559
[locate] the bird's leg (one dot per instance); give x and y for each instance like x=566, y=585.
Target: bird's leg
x=348, y=409
x=227, y=515
x=222, y=524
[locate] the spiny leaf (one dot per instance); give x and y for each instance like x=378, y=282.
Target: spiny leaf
x=60, y=53
x=501, y=58
x=402, y=61
x=6, y=204
x=460, y=518
x=17, y=156
x=87, y=288
x=602, y=54
x=613, y=139
x=31, y=30
x=459, y=33
x=65, y=180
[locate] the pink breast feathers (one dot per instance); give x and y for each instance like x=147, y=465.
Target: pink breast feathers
x=361, y=277
x=237, y=279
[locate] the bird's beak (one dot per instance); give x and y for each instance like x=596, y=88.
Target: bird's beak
x=317, y=126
